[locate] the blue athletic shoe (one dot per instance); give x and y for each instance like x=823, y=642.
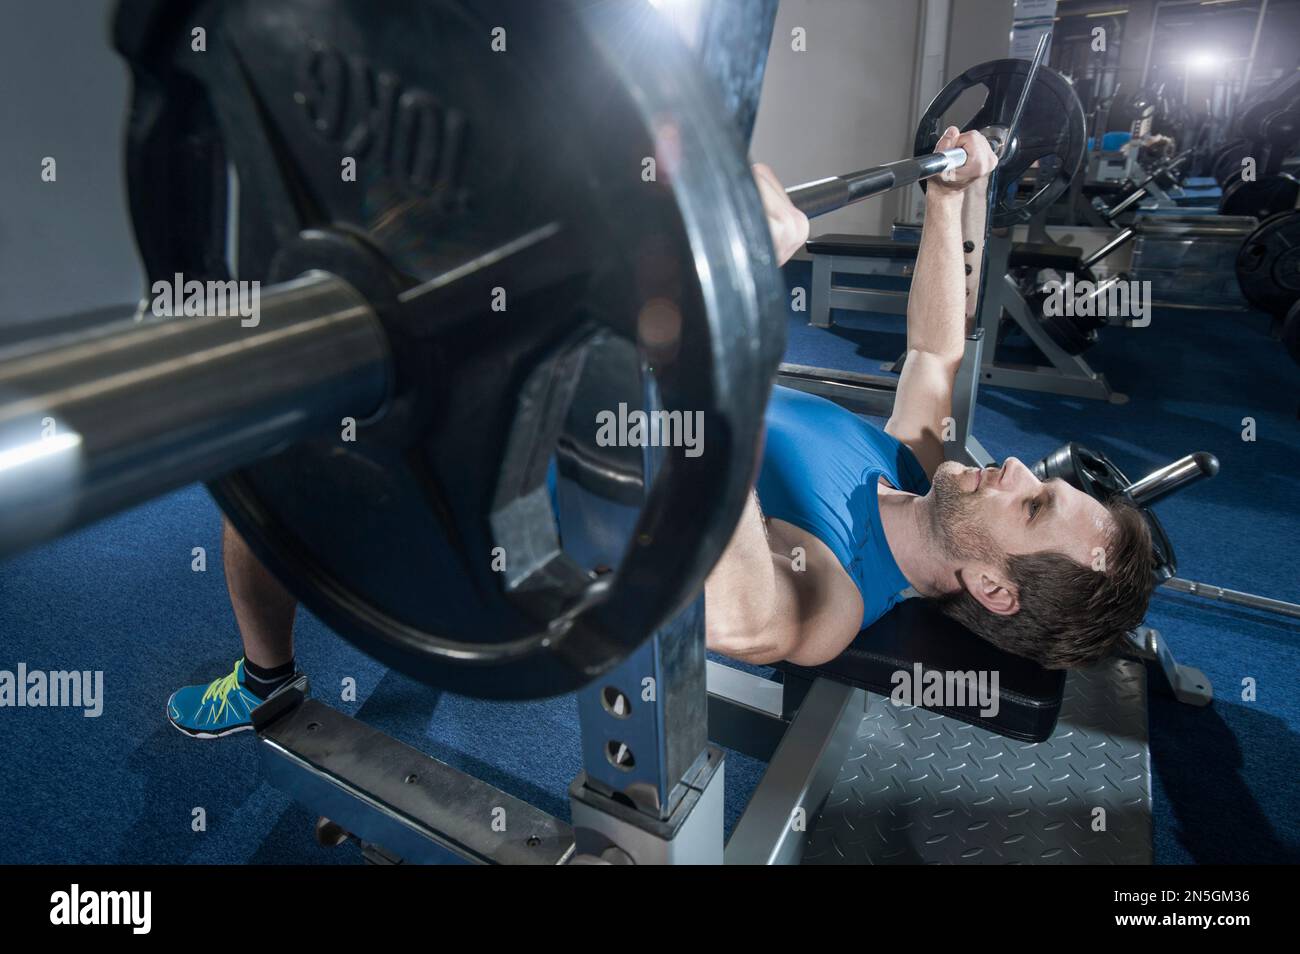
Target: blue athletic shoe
x=221, y=707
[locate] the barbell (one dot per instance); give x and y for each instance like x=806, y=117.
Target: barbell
x=458, y=260
x=1031, y=117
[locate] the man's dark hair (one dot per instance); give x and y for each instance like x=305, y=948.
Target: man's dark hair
x=1070, y=614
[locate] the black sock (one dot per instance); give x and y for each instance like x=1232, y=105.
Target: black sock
x=262, y=682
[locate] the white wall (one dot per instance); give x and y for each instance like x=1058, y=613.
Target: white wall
x=845, y=103
x=65, y=245
x=980, y=30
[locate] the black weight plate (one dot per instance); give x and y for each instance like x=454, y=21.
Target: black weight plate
x=1260, y=198
x=1268, y=264
x=734, y=39
x=1050, y=142
x=1073, y=334
x=1227, y=160
x=476, y=170
x=1084, y=469
x=1095, y=474
x=1069, y=336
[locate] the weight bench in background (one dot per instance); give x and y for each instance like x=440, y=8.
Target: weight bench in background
x=1064, y=373
x=878, y=256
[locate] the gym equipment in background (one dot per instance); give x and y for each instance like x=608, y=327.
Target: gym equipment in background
x=1268, y=264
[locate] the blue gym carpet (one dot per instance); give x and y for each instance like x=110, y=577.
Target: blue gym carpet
x=122, y=597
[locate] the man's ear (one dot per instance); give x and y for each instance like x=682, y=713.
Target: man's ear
x=994, y=591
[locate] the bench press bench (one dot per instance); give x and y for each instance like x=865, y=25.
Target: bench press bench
x=852, y=778
x=916, y=634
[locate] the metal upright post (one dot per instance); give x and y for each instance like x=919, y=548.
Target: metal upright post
x=651, y=787
x=965, y=448
x=1254, y=48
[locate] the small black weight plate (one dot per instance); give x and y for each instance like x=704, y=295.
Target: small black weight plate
x=1094, y=474
x=1049, y=145
x=1268, y=264
x=1262, y=197
x=1282, y=126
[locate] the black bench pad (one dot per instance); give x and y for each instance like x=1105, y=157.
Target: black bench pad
x=1029, y=696
x=1023, y=254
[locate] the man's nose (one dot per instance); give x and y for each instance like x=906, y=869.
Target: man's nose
x=1016, y=476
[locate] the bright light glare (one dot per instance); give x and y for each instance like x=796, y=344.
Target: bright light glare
x=1203, y=61
x=684, y=15
x=24, y=455
x=674, y=7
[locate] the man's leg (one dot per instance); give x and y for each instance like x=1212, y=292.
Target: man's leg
x=264, y=611
x=263, y=608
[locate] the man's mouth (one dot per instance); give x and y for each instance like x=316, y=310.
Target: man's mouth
x=992, y=473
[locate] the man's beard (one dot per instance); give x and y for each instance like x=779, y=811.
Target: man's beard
x=956, y=526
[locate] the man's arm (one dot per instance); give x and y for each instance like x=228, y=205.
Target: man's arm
x=746, y=600
x=942, y=299
x=779, y=598
x=760, y=605
x=786, y=224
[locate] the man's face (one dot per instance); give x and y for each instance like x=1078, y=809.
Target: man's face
x=989, y=514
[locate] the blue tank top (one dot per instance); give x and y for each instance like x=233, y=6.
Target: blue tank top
x=821, y=467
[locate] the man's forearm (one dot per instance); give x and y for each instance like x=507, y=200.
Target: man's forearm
x=936, y=310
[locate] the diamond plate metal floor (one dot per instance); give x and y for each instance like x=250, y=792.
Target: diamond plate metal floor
x=921, y=788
